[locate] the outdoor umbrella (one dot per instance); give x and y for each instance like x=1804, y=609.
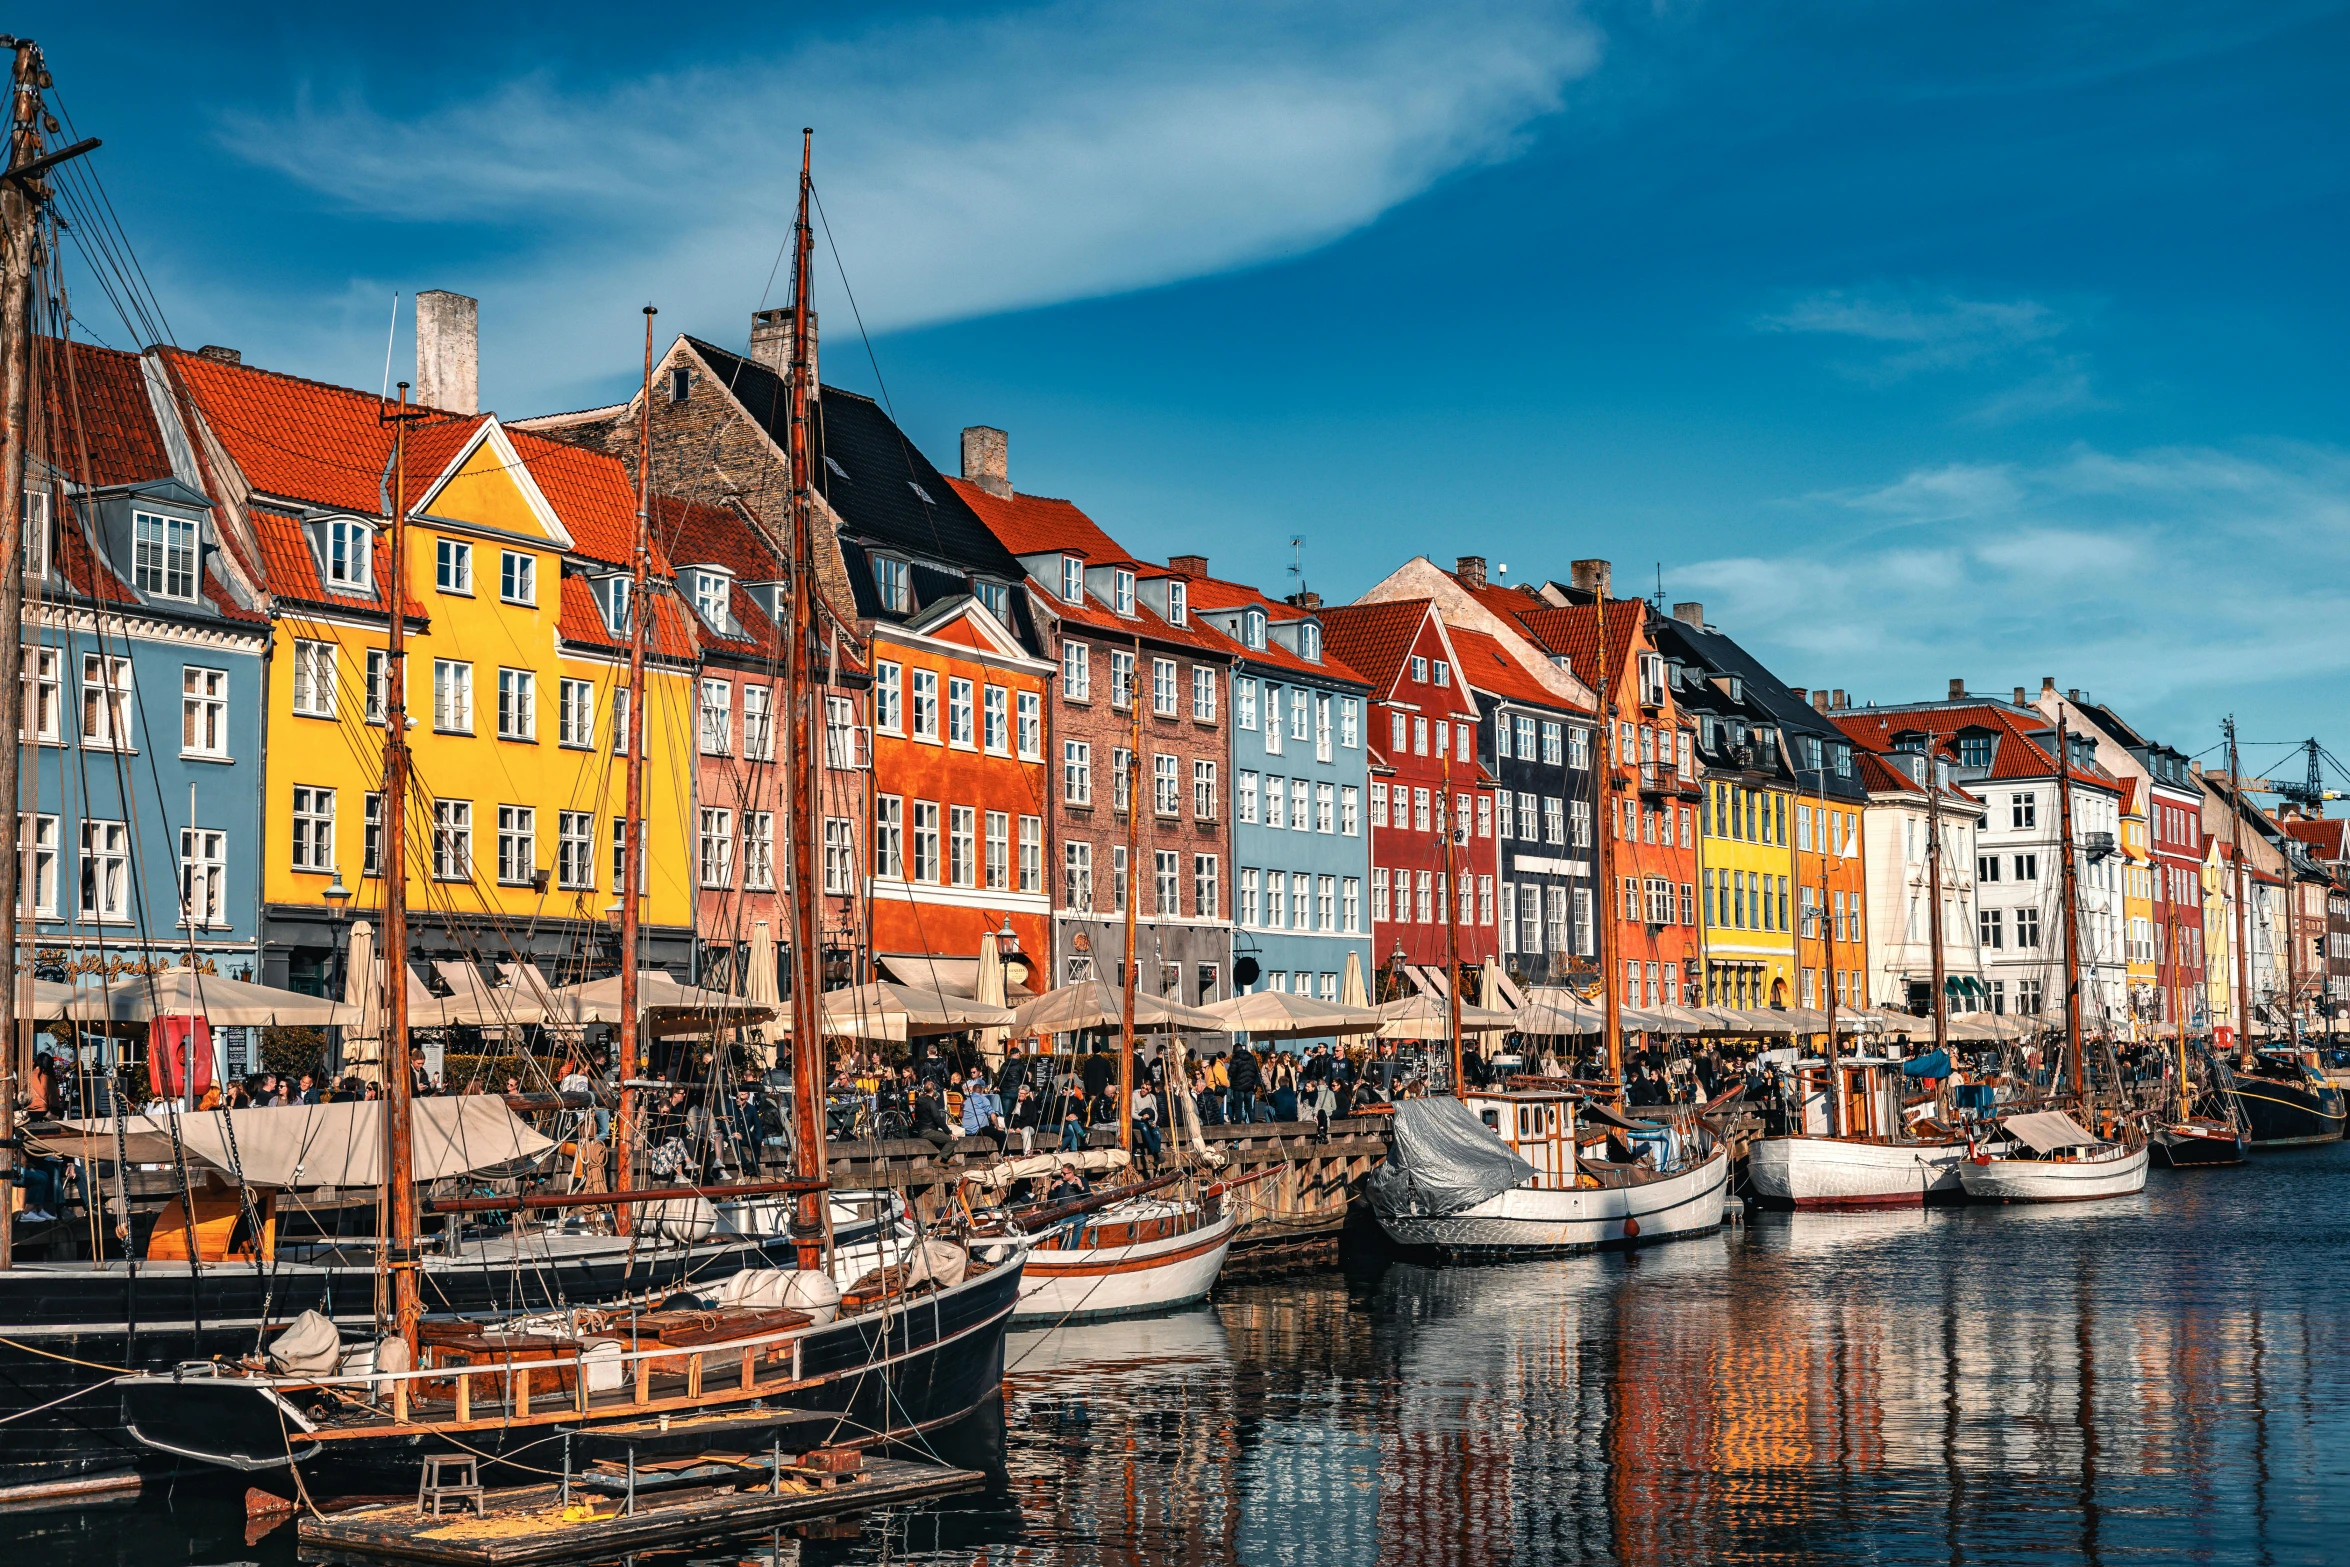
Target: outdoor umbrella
x=598, y=1001
x=987, y=988
x=227, y=1003
x=1276, y=1014
x=1095, y=1003
x=885, y=1010
x=1552, y=1010
x=759, y=987
x=1428, y=1017
x=1351, y=992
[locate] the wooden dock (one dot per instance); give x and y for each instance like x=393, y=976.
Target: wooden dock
x=703, y=1499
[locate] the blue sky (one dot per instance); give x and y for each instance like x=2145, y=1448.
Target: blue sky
x=1977, y=340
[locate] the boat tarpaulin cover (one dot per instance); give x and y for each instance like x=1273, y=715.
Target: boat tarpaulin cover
x=2043, y=1130
x=1443, y=1159
x=342, y=1144
x=1934, y=1063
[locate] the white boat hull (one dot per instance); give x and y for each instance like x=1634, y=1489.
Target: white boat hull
x=1827, y=1172
x=2118, y=1173
x=1087, y=1283
x=1531, y=1221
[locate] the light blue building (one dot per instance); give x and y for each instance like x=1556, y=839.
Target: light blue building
x=140, y=789
x=1301, y=843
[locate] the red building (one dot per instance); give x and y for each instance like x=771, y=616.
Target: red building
x=1424, y=774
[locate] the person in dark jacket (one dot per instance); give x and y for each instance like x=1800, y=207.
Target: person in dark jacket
x=1014, y=1076
x=1100, y=1071
x=1244, y=1075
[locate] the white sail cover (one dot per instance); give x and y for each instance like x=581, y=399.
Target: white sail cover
x=1441, y=1160
x=339, y=1144
x=2043, y=1130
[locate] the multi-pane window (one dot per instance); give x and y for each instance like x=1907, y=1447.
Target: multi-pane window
x=518, y=705
x=1350, y=905
x=1076, y=772
x=1244, y=696
x=840, y=856
x=923, y=840
x=889, y=584
x=759, y=722
x=1378, y=805
x=2027, y=927
x=962, y=846
x=575, y=714
x=1163, y=687
x=999, y=851
x=1166, y=870
x=959, y=700
x=1379, y=897
x=717, y=724
x=889, y=836
x=36, y=877
x=1554, y=820
x=1206, y=893
x=1349, y=810
x=1077, y=671
x=106, y=700
x=453, y=566
x=1121, y=678
x=1203, y=694
x=1276, y=811
x=888, y=685
x=1122, y=591
x=1586, y=934
x=1420, y=818
x=1484, y=900
x=1350, y=729
x=1245, y=798
x=1554, y=744
x=923, y=693
x=2023, y=810
x=1424, y=897
x=314, y=829
x=1273, y=727
x=1322, y=728
x=1325, y=807
x=712, y=590
x=44, y=706
x=759, y=850
x=1031, y=724
x=518, y=577
x=1077, y=876
x=349, y=554
x=995, y=723
x=1032, y=854
x=106, y=870
x=379, y=683
x=371, y=834
x=1248, y=913
x=452, y=696
x=518, y=844
x=314, y=678
x=203, y=711
x=452, y=840
x=1297, y=713
x=714, y=847
x=575, y=850
x=1326, y=903
x=163, y=555
x=1506, y=825
x=1203, y=791
x=620, y=840
x=1166, y=785
x=1072, y=580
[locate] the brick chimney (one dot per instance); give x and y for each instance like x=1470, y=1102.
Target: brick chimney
x=1471, y=570
x=771, y=334
x=1308, y=601
x=1690, y=614
x=448, y=351
x=1957, y=689
x=987, y=459
x=227, y=356
x=1821, y=702
x=1836, y=698
x=2048, y=685
x=1591, y=576
x=2020, y=700
x=1188, y=565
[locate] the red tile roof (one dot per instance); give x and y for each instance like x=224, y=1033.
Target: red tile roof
x=1216, y=594
x=292, y=568
x=1375, y=638
x=1488, y=666
x=2323, y=834
x=1574, y=631
x=693, y=534
x=292, y=438
x=2016, y=755
x=97, y=407
x=579, y=621
x=1032, y=524
x=592, y=493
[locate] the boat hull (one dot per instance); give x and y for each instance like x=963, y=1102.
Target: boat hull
x=1827, y=1172
x=1533, y=1222
x=71, y=1324
x=2197, y=1147
x=1089, y=1284
x=864, y=1380
x=2291, y=1115
x=2056, y=1180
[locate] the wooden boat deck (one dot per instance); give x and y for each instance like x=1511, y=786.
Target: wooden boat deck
x=531, y=1523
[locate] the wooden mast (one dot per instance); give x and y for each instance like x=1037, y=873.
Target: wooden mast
x=2070, y=887
x=2170, y=925
x=1836, y=1116
x=1445, y=819
x=1934, y=891
x=1133, y=900
x=397, y=1072
x=804, y=759
x=632, y=848
x=1611, y=905
x=2246, y=1056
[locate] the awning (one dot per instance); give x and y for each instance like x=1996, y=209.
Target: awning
x=338, y=1144
x=2044, y=1130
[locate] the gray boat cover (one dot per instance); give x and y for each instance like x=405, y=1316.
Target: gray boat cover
x=1442, y=1160
x=2044, y=1130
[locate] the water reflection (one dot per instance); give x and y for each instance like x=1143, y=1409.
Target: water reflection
x=2158, y=1380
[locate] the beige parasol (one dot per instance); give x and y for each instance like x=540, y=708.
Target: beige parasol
x=1276, y=1014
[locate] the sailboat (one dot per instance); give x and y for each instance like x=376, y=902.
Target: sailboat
x=2059, y=1159
x=851, y=1346
x=1501, y=1172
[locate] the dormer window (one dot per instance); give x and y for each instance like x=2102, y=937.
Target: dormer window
x=712, y=593
x=1252, y=629
x=1072, y=580
x=890, y=584
x=996, y=596
x=1178, y=603
x=1309, y=642
x=350, y=554
x=163, y=555
x=36, y=533
x=1122, y=591
x=1843, y=755
x=1974, y=750
x=617, y=619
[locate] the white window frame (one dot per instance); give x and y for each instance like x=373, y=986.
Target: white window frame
x=961, y=700
x=995, y=720
x=37, y=837
x=518, y=577
x=759, y=723
x=715, y=714
x=518, y=705
x=452, y=566
x=313, y=847
x=107, y=695
x=203, y=712
x=575, y=714
x=714, y=848
x=518, y=845
x=170, y=564
x=452, y=840
x=350, y=554
x=203, y=878
x=316, y=668
x=452, y=697
x=922, y=706
x=575, y=851
x=105, y=863
x=1030, y=709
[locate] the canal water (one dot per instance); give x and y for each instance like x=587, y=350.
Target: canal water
x=2160, y=1379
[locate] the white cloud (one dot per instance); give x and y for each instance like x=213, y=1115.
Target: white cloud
x=967, y=167
x=2181, y=581
x=1907, y=334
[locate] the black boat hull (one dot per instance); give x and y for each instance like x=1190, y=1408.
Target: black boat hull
x=69, y=1330
x=2290, y=1114
x=2196, y=1151
x=885, y=1377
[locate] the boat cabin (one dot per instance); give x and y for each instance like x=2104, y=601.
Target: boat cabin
x=1539, y=1127
x=1868, y=1092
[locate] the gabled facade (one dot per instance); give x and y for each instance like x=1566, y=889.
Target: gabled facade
x=1425, y=782
x=1298, y=805
x=1132, y=659
x=2324, y=840
x=1898, y=828
x=139, y=807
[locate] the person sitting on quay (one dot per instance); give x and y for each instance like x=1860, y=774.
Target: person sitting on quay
x=1146, y=1122
x=1072, y=1123
x=983, y=1112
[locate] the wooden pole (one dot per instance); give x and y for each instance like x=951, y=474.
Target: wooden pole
x=1836, y=1116
x=632, y=831
x=1452, y=931
x=397, y=1074
x=1133, y=898
x=1607, y=928
x=2246, y=1056
x=2070, y=887
x=1934, y=893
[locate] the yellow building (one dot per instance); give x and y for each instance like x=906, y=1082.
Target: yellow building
x=2138, y=945
x=517, y=605
x=2219, y=934
x=1748, y=893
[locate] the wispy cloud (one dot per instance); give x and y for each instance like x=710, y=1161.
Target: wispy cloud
x=1899, y=335
x=967, y=167
x=2181, y=579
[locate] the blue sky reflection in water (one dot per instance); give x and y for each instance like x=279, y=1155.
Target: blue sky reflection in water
x=2156, y=1380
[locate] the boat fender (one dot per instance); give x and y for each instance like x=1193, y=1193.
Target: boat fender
x=1631, y=1228
x=309, y=1348
x=600, y=1361
x=685, y=1300
x=682, y=1219
x=810, y=1290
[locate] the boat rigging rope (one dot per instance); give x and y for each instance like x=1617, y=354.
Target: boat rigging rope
x=71, y=1360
